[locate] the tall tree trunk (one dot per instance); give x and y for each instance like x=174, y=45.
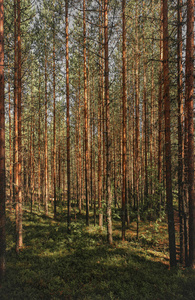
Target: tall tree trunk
x=180, y=126
x=137, y=130
x=15, y=144
x=10, y=141
x=2, y=148
x=190, y=115
x=59, y=161
x=86, y=118
x=19, y=241
x=39, y=145
x=46, y=146
x=171, y=226
x=54, y=117
x=33, y=160
x=100, y=128
x=79, y=154
x=145, y=116
x=124, y=135
x=108, y=136
x=160, y=100
x=152, y=110
x=68, y=124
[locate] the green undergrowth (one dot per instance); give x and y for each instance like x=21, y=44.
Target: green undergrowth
x=56, y=265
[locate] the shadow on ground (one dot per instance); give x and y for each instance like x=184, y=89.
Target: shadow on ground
x=55, y=265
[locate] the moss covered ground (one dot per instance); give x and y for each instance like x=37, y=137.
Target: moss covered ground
x=55, y=265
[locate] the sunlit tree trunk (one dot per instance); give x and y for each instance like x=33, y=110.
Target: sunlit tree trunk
x=86, y=118
x=124, y=134
x=19, y=240
x=54, y=116
x=46, y=146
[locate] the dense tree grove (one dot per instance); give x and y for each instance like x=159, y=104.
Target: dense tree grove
x=99, y=114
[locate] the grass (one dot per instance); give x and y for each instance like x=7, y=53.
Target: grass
x=55, y=265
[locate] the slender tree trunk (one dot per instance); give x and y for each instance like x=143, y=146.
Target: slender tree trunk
x=10, y=141
x=134, y=152
x=160, y=100
x=103, y=113
x=152, y=111
x=59, y=162
x=171, y=226
x=79, y=154
x=19, y=241
x=100, y=130
x=124, y=135
x=180, y=127
x=39, y=146
x=108, y=136
x=190, y=115
x=54, y=118
x=46, y=146
x=68, y=124
x=2, y=149
x=15, y=146
x=33, y=160
x=137, y=135
x=93, y=183
x=145, y=118
x=86, y=118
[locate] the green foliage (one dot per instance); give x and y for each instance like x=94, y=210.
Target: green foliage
x=55, y=265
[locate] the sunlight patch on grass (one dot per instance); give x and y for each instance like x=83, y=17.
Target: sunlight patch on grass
x=55, y=265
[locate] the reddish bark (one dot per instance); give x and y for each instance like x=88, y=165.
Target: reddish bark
x=68, y=124
x=86, y=118
x=124, y=134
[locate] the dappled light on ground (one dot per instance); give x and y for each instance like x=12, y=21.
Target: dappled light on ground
x=55, y=265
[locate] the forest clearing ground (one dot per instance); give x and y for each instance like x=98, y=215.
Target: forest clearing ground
x=55, y=265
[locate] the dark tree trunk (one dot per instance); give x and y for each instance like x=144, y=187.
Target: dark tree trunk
x=171, y=226
x=190, y=115
x=2, y=148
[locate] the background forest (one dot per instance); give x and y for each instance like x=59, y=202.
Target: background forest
x=99, y=147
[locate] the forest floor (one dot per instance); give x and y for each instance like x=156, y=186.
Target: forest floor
x=81, y=265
